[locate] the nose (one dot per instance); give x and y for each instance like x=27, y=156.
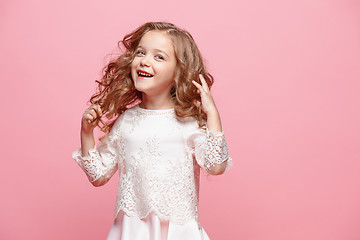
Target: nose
x=145, y=62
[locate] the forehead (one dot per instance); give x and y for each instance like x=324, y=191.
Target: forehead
x=157, y=40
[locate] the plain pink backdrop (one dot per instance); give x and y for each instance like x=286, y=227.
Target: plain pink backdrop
x=287, y=85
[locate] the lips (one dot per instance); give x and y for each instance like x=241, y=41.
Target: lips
x=143, y=74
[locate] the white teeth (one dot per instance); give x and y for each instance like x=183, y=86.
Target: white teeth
x=142, y=74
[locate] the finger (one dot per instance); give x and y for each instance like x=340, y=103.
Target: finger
x=93, y=113
x=200, y=88
x=204, y=83
x=98, y=109
x=89, y=117
x=196, y=103
x=91, y=120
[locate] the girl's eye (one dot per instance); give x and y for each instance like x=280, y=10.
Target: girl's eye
x=159, y=57
x=140, y=52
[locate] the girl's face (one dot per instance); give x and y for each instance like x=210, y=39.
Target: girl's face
x=153, y=68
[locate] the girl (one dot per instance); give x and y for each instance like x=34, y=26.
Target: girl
x=162, y=126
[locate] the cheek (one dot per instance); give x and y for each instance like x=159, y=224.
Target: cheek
x=133, y=70
x=135, y=62
x=169, y=69
x=132, y=65
x=172, y=72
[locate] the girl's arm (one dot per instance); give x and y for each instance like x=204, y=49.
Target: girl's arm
x=215, y=135
x=214, y=125
x=208, y=105
x=88, y=124
x=87, y=143
x=99, y=163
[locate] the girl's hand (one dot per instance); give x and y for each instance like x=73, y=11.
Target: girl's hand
x=90, y=118
x=207, y=102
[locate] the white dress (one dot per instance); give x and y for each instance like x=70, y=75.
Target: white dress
x=159, y=157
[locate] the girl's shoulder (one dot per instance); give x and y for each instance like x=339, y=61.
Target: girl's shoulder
x=128, y=112
x=191, y=126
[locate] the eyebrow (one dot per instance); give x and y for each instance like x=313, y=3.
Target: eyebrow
x=156, y=49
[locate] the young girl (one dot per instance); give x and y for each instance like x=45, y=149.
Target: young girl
x=162, y=126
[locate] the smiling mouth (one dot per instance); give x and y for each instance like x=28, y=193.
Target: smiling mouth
x=143, y=74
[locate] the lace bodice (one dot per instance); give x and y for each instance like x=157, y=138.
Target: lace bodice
x=159, y=158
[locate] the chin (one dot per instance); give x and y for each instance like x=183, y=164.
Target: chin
x=139, y=87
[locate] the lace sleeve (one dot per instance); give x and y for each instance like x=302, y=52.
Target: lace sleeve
x=101, y=163
x=211, y=150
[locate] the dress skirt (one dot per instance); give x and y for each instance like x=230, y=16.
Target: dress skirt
x=153, y=228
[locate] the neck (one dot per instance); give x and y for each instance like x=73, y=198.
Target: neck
x=157, y=102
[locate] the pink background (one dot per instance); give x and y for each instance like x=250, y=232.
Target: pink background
x=287, y=87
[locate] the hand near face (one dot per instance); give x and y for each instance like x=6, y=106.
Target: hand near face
x=207, y=102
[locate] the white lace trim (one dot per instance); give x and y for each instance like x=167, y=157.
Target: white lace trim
x=91, y=165
x=216, y=151
x=154, y=112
